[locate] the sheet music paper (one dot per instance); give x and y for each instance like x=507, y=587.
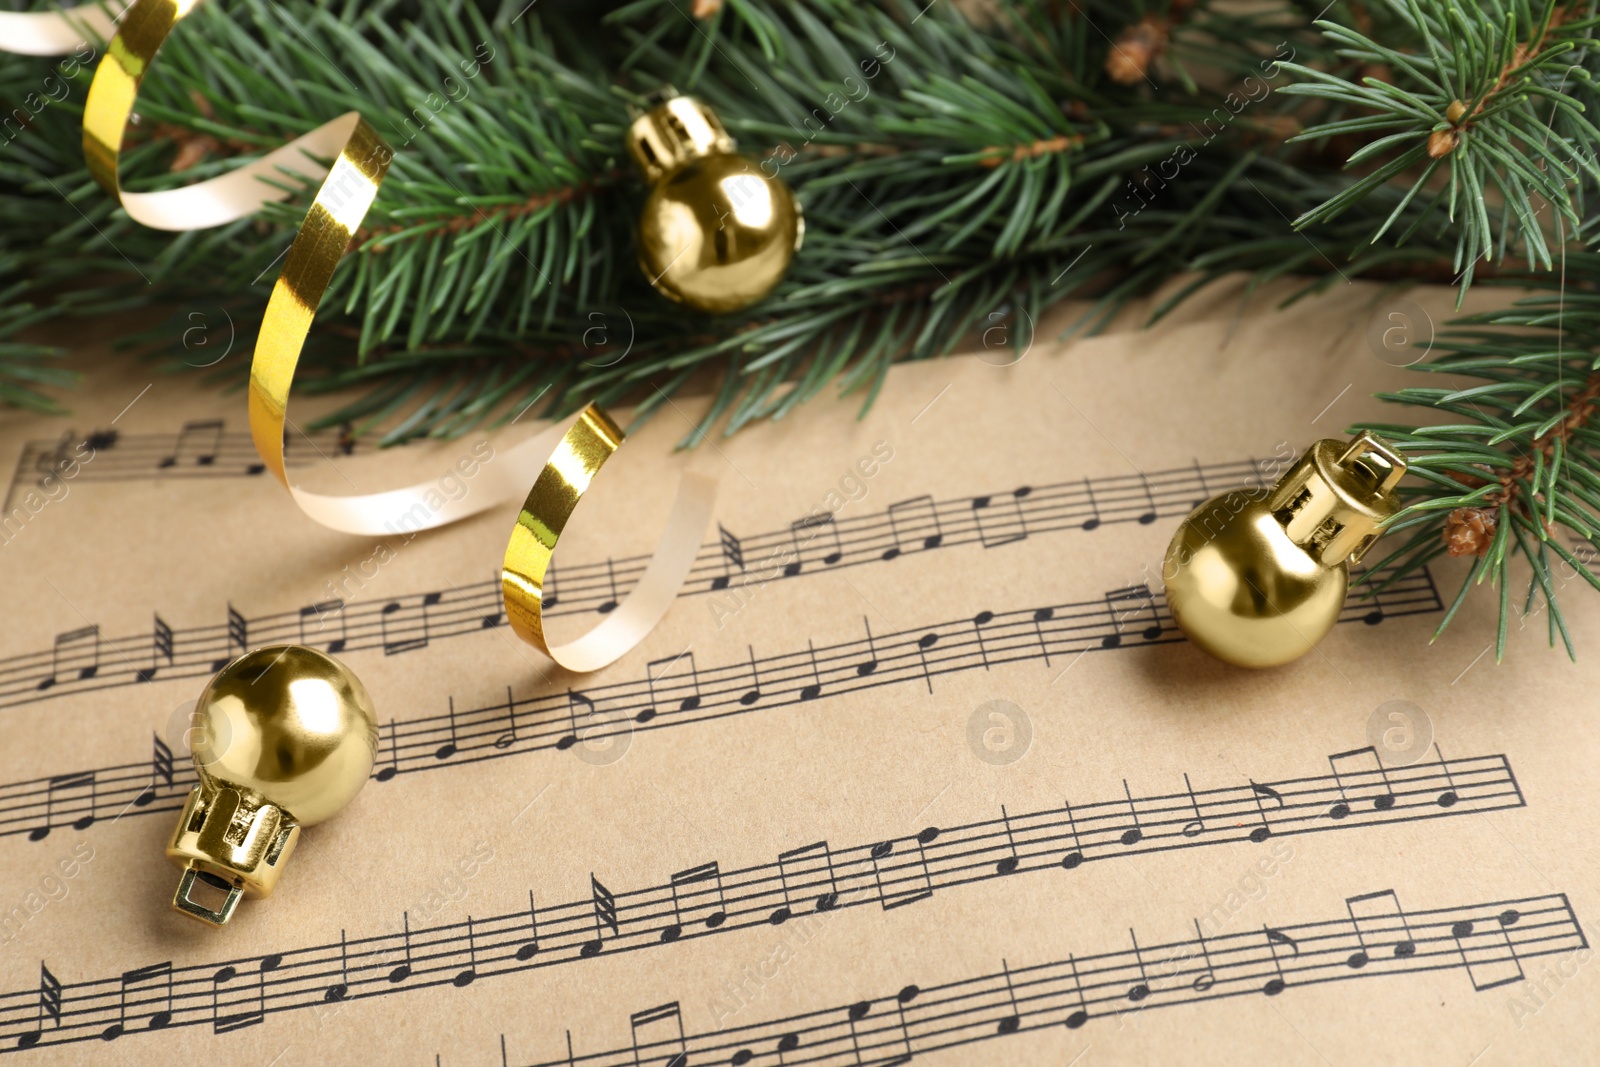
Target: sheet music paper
x=916, y=767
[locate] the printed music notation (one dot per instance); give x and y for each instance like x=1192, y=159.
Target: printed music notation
x=200, y=449
x=679, y=692
x=808, y=546
x=1488, y=941
x=801, y=882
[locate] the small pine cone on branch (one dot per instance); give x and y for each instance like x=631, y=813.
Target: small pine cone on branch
x=1470, y=531
x=1128, y=62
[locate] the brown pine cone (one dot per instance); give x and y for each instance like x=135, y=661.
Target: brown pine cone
x=1470, y=531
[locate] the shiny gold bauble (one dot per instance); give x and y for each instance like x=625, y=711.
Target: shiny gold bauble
x=1243, y=591
x=1258, y=577
x=717, y=231
x=291, y=725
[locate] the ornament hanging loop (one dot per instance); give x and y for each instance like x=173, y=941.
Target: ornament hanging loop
x=1334, y=499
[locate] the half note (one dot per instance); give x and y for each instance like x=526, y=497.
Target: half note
x=1197, y=825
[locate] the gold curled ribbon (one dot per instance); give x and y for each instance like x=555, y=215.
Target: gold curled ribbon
x=567, y=456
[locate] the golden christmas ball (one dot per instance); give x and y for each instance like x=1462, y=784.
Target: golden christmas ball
x=1257, y=577
x=282, y=737
x=717, y=231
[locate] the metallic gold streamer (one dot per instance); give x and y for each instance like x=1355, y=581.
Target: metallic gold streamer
x=567, y=457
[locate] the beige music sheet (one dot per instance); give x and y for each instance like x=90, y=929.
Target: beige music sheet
x=916, y=766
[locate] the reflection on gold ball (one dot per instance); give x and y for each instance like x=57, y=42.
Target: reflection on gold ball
x=1243, y=591
x=290, y=724
x=717, y=233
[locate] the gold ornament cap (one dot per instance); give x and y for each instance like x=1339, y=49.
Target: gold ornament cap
x=1332, y=501
x=282, y=737
x=674, y=132
x=1257, y=577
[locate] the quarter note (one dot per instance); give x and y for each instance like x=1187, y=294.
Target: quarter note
x=870, y=664
x=753, y=694
x=160, y=771
x=814, y=690
x=800, y=872
x=1140, y=989
x=160, y=649
x=340, y=989
x=1040, y=617
x=1075, y=857
x=528, y=948
x=448, y=749
x=1009, y=864
x=466, y=976
x=403, y=971
x=1149, y=516
x=1449, y=796
x=925, y=642
x=666, y=1022
x=1081, y=1015
x=394, y=753
x=979, y=621
x=1197, y=825
x=683, y=885
x=49, y=1006
x=914, y=522
x=1092, y=523
x=1010, y=1024
x=134, y=983
x=732, y=557
x=1257, y=791
x=77, y=653
x=605, y=916
x=609, y=605
x=1134, y=834
x=1275, y=938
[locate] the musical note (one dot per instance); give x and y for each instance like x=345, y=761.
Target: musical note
x=399, y=632
x=1197, y=825
x=574, y=700
x=1257, y=791
x=1013, y=1022
x=1143, y=601
x=238, y=641
x=403, y=971
x=67, y=654
x=321, y=611
x=1040, y=617
x=925, y=642
x=732, y=557
x=1205, y=488
x=63, y=783
x=202, y=451
x=920, y=889
x=609, y=604
x=528, y=948
x=1140, y=989
x=1081, y=1015
x=1092, y=523
x=1075, y=857
x=652, y=678
x=160, y=770
x=979, y=621
x=340, y=989
x=1005, y=534
x=812, y=524
x=1207, y=978
x=1009, y=863
x=1449, y=797
x=466, y=976
x=1382, y=802
x=913, y=529
x=1275, y=938
x=160, y=648
x=814, y=690
x=871, y=663
x=605, y=915
x=795, y=868
x=1134, y=834
x=1147, y=517
x=547, y=592
x=133, y=982
x=246, y=1013
x=681, y=883
x=509, y=738
x=1374, y=915
x=49, y=1005
x=393, y=769
x=673, y=1043
x=448, y=749
x=1486, y=966
x=753, y=694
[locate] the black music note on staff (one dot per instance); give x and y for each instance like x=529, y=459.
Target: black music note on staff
x=160, y=772
x=732, y=557
x=135, y=983
x=160, y=649
x=962, y=1011
x=859, y=540
x=49, y=1005
x=76, y=652
x=685, y=887
x=914, y=523
x=818, y=877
